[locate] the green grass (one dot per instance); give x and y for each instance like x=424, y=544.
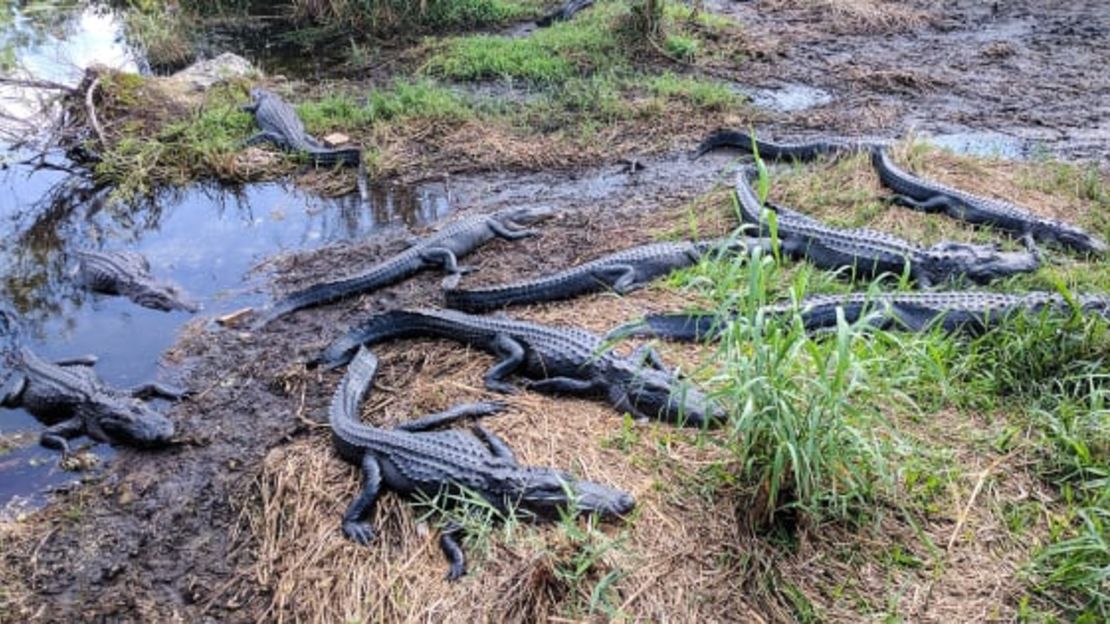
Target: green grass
x=830, y=428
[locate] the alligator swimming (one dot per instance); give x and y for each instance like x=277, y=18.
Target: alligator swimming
x=873, y=253
x=954, y=311
x=70, y=398
x=127, y=273
x=928, y=196
x=280, y=125
x=621, y=272
x=439, y=250
x=556, y=360
x=412, y=460
x=564, y=12
x=784, y=151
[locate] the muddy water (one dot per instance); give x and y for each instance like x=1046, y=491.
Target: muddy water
x=207, y=238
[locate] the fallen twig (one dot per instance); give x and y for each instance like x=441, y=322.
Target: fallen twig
x=91, y=109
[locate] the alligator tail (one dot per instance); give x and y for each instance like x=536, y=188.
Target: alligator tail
x=692, y=327
x=377, y=328
x=348, y=156
x=724, y=138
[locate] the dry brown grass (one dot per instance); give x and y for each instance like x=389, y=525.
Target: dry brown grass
x=848, y=193
x=316, y=575
x=858, y=16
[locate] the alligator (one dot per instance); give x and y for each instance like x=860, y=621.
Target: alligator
x=564, y=12
x=412, y=460
x=928, y=196
x=872, y=253
x=970, y=312
x=557, y=361
x=621, y=272
x=281, y=126
x=784, y=151
x=71, y=399
x=439, y=250
x=127, y=273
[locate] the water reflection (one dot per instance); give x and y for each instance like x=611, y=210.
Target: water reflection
x=205, y=237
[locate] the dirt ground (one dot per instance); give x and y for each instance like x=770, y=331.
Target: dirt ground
x=240, y=523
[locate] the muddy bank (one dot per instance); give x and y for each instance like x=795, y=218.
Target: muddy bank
x=162, y=532
x=1030, y=69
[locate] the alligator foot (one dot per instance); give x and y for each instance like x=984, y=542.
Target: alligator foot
x=361, y=533
x=454, y=553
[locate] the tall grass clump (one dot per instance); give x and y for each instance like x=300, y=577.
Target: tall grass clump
x=390, y=17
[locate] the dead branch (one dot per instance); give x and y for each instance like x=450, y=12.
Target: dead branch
x=90, y=107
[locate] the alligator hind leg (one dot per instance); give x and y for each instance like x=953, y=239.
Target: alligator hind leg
x=449, y=544
x=565, y=385
x=937, y=203
x=459, y=412
x=496, y=445
x=57, y=437
x=512, y=356
x=355, y=527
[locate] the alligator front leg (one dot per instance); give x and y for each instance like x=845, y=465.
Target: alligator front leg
x=512, y=357
x=450, y=263
x=158, y=390
x=355, y=525
x=507, y=233
x=451, y=549
x=459, y=412
x=620, y=277
x=57, y=437
x=647, y=354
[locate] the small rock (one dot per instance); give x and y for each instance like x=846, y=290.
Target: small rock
x=204, y=74
x=335, y=139
x=233, y=318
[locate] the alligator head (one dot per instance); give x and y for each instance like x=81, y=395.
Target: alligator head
x=980, y=263
x=525, y=216
x=127, y=421
x=1076, y=238
x=657, y=395
x=546, y=492
x=165, y=296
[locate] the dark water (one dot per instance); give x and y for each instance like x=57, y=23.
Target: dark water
x=205, y=237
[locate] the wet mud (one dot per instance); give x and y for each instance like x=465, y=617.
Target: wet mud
x=1027, y=71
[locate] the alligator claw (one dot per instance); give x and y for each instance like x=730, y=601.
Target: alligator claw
x=361, y=533
x=456, y=571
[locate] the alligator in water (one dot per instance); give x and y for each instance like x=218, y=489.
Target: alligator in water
x=621, y=272
x=558, y=361
x=784, y=151
x=70, y=398
x=440, y=250
x=280, y=125
x=928, y=196
x=127, y=273
x=413, y=460
x=954, y=311
x=872, y=253
x=564, y=12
